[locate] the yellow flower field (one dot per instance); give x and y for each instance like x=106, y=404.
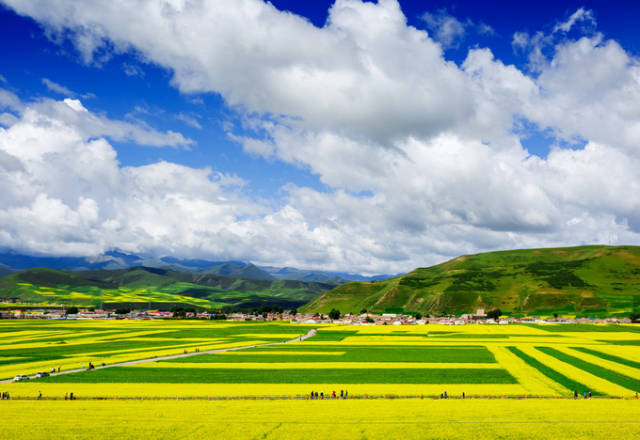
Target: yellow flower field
x=284, y=419
x=512, y=356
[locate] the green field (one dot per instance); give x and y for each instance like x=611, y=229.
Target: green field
x=579, y=281
x=154, y=288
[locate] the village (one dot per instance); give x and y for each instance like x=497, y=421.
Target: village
x=365, y=318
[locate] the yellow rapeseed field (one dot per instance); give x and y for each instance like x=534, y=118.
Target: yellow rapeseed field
x=284, y=419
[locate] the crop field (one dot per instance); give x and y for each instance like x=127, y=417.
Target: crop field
x=489, y=360
x=518, y=380
x=154, y=288
x=287, y=419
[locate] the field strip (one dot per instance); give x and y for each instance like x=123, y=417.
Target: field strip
x=577, y=374
x=620, y=379
x=322, y=365
x=530, y=378
x=630, y=352
x=309, y=334
x=609, y=365
x=609, y=357
x=174, y=390
x=283, y=353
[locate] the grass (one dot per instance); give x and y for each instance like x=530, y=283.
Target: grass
x=584, y=281
x=552, y=374
x=287, y=376
x=353, y=354
x=612, y=376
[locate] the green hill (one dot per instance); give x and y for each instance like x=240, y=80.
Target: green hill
x=158, y=288
x=583, y=281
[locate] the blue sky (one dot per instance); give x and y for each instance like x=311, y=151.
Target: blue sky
x=352, y=135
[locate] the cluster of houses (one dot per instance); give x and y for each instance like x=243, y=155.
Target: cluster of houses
x=480, y=317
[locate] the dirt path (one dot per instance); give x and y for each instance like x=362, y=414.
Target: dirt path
x=310, y=334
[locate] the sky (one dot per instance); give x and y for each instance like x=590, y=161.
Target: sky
x=371, y=137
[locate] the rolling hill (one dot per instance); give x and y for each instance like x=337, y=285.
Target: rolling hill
x=142, y=287
x=583, y=281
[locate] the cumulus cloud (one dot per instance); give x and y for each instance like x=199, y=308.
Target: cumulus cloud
x=360, y=67
x=421, y=157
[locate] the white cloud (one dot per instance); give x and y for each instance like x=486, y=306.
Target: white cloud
x=361, y=66
x=450, y=31
x=72, y=112
x=132, y=70
x=189, y=120
x=581, y=15
x=62, y=90
x=421, y=156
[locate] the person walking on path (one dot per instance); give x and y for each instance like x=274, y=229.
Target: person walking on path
x=39, y=395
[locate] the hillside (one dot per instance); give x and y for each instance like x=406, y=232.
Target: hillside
x=155, y=288
x=587, y=280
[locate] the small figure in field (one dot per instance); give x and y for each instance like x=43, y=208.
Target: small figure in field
x=333, y=395
x=445, y=395
x=584, y=394
x=342, y=394
x=346, y=394
x=316, y=395
x=575, y=394
x=322, y=395
x=66, y=396
x=39, y=395
x=463, y=394
x=312, y=394
x=589, y=395
x=441, y=396
x=71, y=397
x=636, y=396
x=103, y=364
x=58, y=369
x=53, y=369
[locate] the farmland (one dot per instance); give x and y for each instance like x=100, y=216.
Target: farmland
x=513, y=360
x=144, y=287
x=285, y=419
x=517, y=380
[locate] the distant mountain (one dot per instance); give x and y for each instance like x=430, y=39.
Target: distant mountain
x=4, y=270
x=291, y=273
x=113, y=260
x=586, y=280
x=142, y=287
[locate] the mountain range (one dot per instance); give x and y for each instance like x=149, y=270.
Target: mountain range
x=11, y=261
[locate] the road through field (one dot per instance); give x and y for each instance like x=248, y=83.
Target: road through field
x=309, y=334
